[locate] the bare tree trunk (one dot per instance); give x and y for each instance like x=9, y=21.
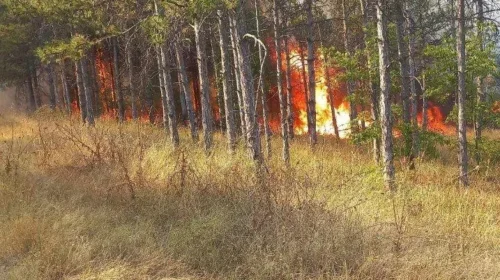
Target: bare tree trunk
x=481, y=96
x=425, y=118
x=87, y=91
x=247, y=87
x=262, y=90
x=462, y=129
x=184, y=82
x=95, y=84
x=131, y=87
x=65, y=87
x=227, y=86
x=31, y=94
x=304, y=84
x=405, y=74
x=238, y=80
x=283, y=109
x=312, y=73
x=52, y=86
x=118, y=91
x=385, y=89
x=372, y=86
x=182, y=97
x=206, y=110
x=415, y=149
x=164, y=104
x=169, y=98
x=36, y=89
x=81, y=91
x=353, y=112
x=218, y=85
x=289, y=103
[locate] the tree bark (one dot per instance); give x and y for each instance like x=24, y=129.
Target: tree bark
x=415, y=149
x=247, y=87
x=88, y=93
x=462, y=129
x=289, y=99
x=282, y=101
x=184, y=82
x=262, y=90
x=311, y=73
x=118, y=91
x=31, y=93
x=65, y=87
x=353, y=112
x=206, y=110
x=164, y=104
x=425, y=118
x=131, y=87
x=218, y=85
x=372, y=86
x=227, y=86
x=480, y=94
x=95, y=83
x=385, y=104
x=237, y=78
x=81, y=91
x=52, y=86
x=404, y=70
x=169, y=98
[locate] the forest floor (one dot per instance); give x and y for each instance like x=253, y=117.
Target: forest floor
x=118, y=202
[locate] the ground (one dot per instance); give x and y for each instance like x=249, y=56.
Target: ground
x=118, y=202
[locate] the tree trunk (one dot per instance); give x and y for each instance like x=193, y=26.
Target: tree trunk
x=227, y=86
x=131, y=87
x=247, y=87
x=184, y=83
x=283, y=109
x=385, y=90
x=118, y=91
x=206, y=110
x=81, y=91
x=65, y=87
x=425, y=118
x=404, y=69
x=289, y=103
x=462, y=129
x=304, y=84
x=169, y=98
x=312, y=73
x=52, y=86
x=237, y=78
x=481, y=96
x=353, y=113
x=36, y=89
x=95, y=83
x=413, y=90
x=218, y=85
x=372, y=86
x=262, y=90
x=31, y=94
x=164, y=104
x=88, y=93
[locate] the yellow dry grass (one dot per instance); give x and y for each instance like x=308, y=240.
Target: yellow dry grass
x=67, y=212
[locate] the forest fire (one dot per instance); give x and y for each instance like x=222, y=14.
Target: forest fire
x=436, y=120
x=324, y=91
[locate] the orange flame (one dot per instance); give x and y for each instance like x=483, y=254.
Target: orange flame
x=324, y=122
x=436, y=120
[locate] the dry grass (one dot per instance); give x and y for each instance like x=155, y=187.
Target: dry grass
x=117, y=202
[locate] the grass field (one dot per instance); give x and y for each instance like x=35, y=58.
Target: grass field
x=117, y=202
